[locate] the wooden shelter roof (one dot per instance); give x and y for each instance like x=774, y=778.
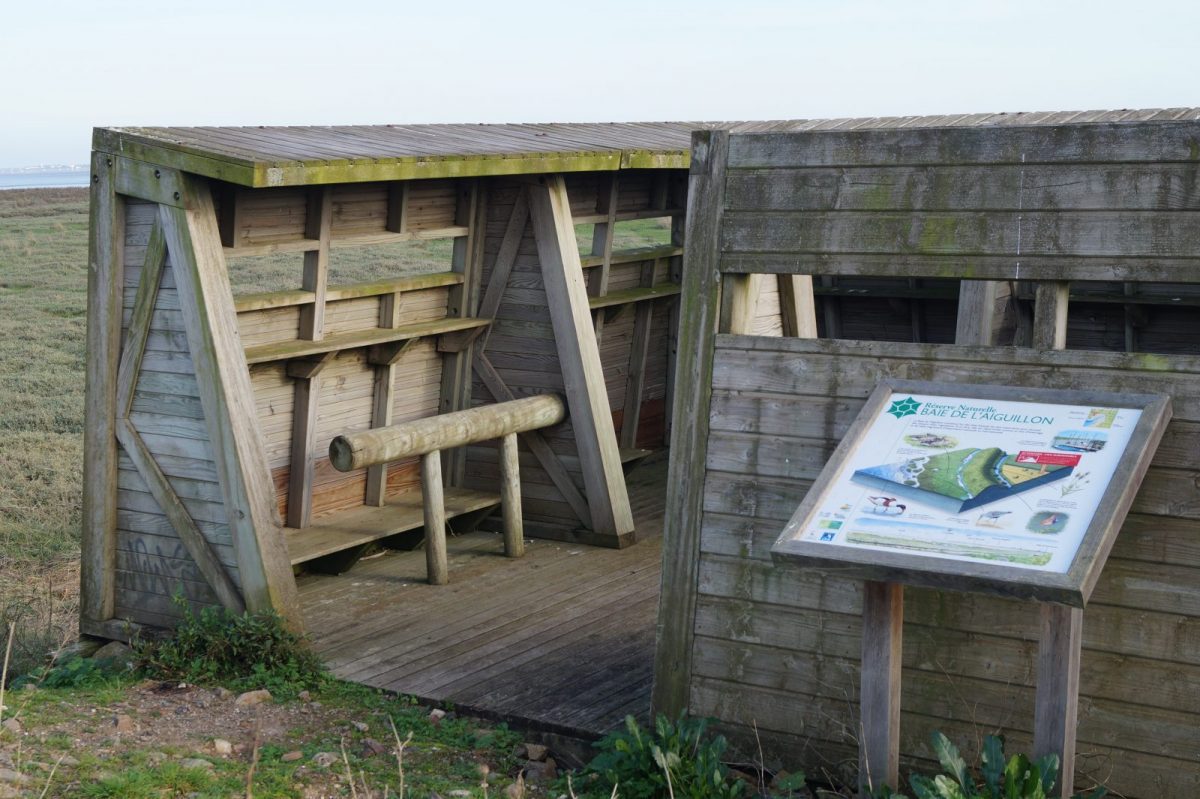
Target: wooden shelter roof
x=291, y=156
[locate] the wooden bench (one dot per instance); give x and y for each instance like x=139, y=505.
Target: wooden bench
x=428, y=437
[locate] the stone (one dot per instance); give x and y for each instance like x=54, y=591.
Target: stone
x=536, y=752
x=124, y=724
x=541, y=771
x=252, y=698
x=195, y=762
x=222, y=693
x=516, y=790
x=12, y=725
x=304, y=696
x=120, y=654
x=325, y=759
x=460, y=794
x=291, y=757
x=222, y=747
x=12, y=777
x=436, y=715
x=155, y=758
x=372, y=748
x=68, y=761
x=360, y=726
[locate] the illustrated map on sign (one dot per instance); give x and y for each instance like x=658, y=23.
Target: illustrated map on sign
x=964, y=478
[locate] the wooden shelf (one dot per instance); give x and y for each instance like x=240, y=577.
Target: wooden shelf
x=627, y=296
x=344, y=530
x=627, y=216
x=282, y=351
x=632, y=256
x=282, y=299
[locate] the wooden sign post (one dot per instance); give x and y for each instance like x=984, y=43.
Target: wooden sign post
x=1010, y=491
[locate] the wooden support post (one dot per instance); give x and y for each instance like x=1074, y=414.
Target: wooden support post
x=579, y=356
x=797, y=308
x=677, y=197
x=206, y=300
x=434, y=502
x=607, y=191
x=106, y=286
x=976, y=312
x=510, y=497
x=639, y=356
x=317, y=224
x=739, y=303
x=1060, y=645
x=879, y=695
x=1057, y=702
x=1050, y=315
x=384, y=401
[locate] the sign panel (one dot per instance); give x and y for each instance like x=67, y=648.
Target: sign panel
x=999, y=486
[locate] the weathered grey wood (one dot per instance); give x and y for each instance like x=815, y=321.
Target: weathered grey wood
x=554, y=469
x=1047, y=144
x=976, y=312
x=510, y=497
x=105, y=288
x=639, y=356
x=433, y=501
x=300, y=348
x=607, y=193
x=505, y=258
x=305, y=402
x=1056, y=707
x=944, y=187
x=739, y=301
x=1050, y=316
x=689, y=431
x=164, y=494
x=579, y=359
x=397, y=209
x=141, y=320
x=879, y=698
x=420, y=436
x=151, y=182
x=194, y=245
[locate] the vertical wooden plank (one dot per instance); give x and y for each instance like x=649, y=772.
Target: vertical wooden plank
x=689, y=433
x=510, y=497
x=879, y=697
x=639, y=356
x=139, y=321
x=1056, y=709
x=383, y=401
x=739, y=302
x=797, y=308
x=317, y=225
x=397, y=208
x=306, y=397
x=678, y=199
x=106, y=284
x=831, y=309
x=1050, y=315
x=206, y=300
x=1057, y=701
x=579, y=357
x=976, y=312
x=607, y=192
x=463, y=299
x=434, y=502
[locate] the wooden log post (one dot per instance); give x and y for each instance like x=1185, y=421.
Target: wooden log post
x=433, y=499
x=510, y=497
x=879, y=693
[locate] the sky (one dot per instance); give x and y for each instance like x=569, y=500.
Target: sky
x=68, y=66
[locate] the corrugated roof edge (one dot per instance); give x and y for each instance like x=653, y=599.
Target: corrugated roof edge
x=264, y=157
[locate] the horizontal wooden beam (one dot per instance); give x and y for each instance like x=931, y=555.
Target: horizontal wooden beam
x=444, y=431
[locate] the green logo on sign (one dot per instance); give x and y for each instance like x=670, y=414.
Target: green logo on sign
x=904, y=407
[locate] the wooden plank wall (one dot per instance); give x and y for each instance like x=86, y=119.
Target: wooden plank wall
x=152, y=563
x=520, y=346
x=773, y=651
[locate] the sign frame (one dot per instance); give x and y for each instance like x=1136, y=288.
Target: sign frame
x=1072, y=587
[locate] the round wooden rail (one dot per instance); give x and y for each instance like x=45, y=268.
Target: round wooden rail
x=422, y=436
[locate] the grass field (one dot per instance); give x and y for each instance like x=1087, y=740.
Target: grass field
x=43, y=306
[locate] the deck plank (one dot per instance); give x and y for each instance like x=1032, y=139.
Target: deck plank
x=561, y=639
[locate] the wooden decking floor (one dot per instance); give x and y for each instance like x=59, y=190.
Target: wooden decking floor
x=561, y=639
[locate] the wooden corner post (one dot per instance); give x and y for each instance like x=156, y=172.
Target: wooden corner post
x=583, y=376
x=106, y=286
x=699, y=309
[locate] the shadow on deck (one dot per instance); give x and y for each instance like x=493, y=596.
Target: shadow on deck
x=561, y=640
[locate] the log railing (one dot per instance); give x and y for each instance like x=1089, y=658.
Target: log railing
x=428, y=437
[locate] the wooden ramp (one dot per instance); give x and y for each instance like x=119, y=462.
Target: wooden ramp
x=561, y=639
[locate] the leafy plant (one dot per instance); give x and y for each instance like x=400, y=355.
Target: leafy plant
x=71, y=673
x=1018, y=778
x=674, y=759
x=239, y=650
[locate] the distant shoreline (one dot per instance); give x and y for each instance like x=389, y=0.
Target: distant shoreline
x=44, y=180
